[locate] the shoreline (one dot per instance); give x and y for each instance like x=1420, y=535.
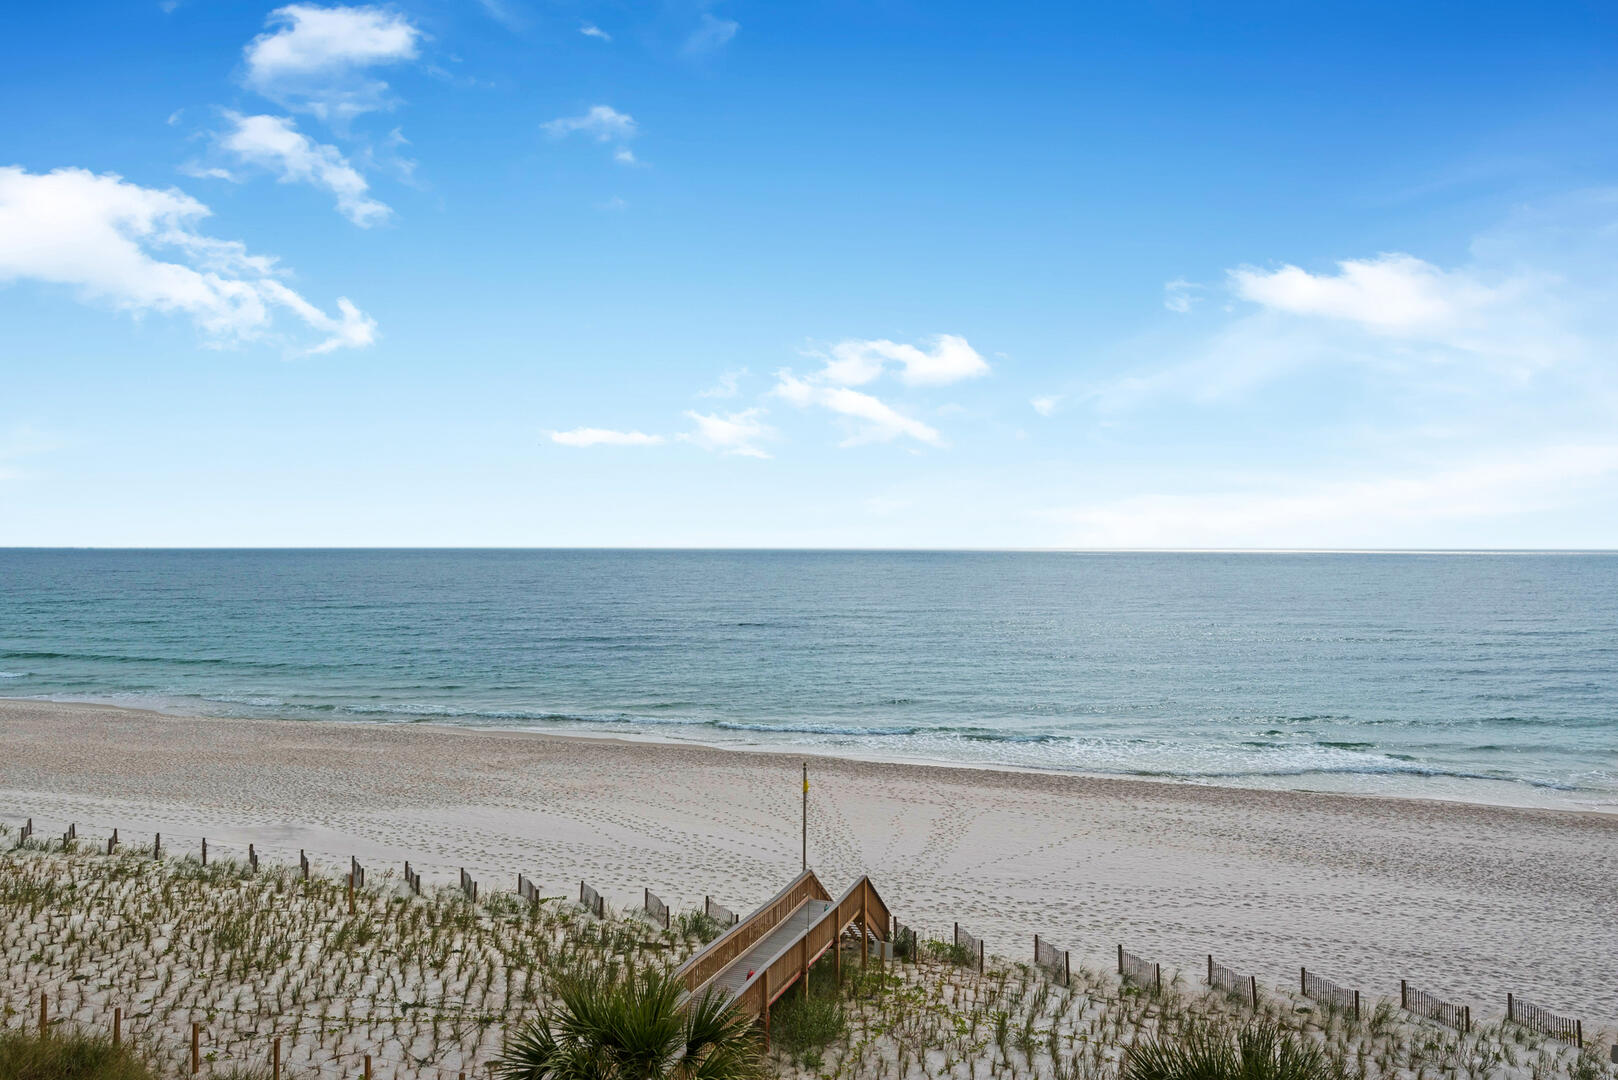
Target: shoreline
x=651, y=738
x=1368, y=888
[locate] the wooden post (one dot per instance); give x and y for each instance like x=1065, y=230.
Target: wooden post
x=351, y=892
x=204, y=851
x=806, y=815
x=367, y=1067
x=44, y=1012
x=837, y=955
x=1466, y=1019
x=865, y=931
x=1157, y=977
x=1303, y=981
x=157, y=845
x=764, y=979
x=1404, y=994
x=1356, y=1005
x=1210, y=969
x=1067, y=968
x=118, y=1026
x=252, y=857
x=1120, y=959
x=980, y=956
x=1252, y=987
x=1578, y=1033
x=1511, y=1006
x=196, y=1047
x=275, y=1059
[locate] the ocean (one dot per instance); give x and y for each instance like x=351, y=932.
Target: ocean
x=1487, y=677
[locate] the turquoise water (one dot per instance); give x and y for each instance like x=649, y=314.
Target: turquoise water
x=1491, y=677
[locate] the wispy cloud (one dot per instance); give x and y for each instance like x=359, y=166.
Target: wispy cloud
x=1045, y=404
x=940, y=360
x=732, y=433
x=317, y=59
x=727, y=386
x=600, y=122
x=711, y=35
x=1380, y=511
x=136, y=249
x=869, y=419
x=1181, y=296
x=594, y=31
x=274, y=143
x=588, y=436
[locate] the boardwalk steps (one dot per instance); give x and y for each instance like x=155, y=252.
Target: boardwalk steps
x=757, y=960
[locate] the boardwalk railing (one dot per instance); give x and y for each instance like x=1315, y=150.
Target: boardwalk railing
x=861, y=903
x=1433, y=1007
x=1545, y=1022
x=1052, y=959
x=1328, y=993
x=1132, y=968
x=657, y=910
x=745, y=933
x=1233, y=982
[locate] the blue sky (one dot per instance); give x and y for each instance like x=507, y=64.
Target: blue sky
x=878, y=274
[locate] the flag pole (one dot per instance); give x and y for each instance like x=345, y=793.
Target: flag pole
x=806, y=815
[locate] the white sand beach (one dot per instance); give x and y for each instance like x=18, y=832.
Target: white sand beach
x=1467, y=901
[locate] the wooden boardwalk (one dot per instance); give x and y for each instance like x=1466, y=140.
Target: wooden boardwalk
x=755, y=961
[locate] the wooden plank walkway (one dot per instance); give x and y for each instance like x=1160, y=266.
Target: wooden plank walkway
x=731, y=980
x=755, y=961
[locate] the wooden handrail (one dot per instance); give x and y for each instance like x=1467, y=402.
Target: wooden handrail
x=727, y=947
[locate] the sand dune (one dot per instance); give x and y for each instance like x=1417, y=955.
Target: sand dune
x=1468, y=901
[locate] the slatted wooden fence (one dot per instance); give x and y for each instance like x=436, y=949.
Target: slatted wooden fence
x=592, y=901
x=1054, y=960
x=1434, y=1007
x=1233, y=982
x=719, y=913
x=1328, y=993
x=972, y=945
x=656, y=909
x=468, y=885
x=1132, y=968
x=1546, y=1022
x=528, y=890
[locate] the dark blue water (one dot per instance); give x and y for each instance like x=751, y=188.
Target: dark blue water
x=1492, y=677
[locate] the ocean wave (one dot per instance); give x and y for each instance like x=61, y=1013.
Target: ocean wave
x=13, y=674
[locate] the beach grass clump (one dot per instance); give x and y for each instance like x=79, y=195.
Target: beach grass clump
x=26, y=1055
x=631, y=1028
x=1258, y=1051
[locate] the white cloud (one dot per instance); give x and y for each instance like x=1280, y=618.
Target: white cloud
x=624, y=156
x=1180, y=295
x=1046, y=404
x=945, y=359
x=315, y=59
x=1392, y=293
x=584, y=436
x=206, y=172
x=594, y=31
x=712, y=34
x=733, y=433
x=102, y=235
x=1383, y=511
x=275, y=143
x=869, y=419
x=728, y=385
x=601, y=122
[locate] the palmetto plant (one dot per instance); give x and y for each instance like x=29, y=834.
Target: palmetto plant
x=632, y=1029
x=1259, y=1051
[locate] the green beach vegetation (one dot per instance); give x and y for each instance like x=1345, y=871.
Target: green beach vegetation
x=435, y=985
